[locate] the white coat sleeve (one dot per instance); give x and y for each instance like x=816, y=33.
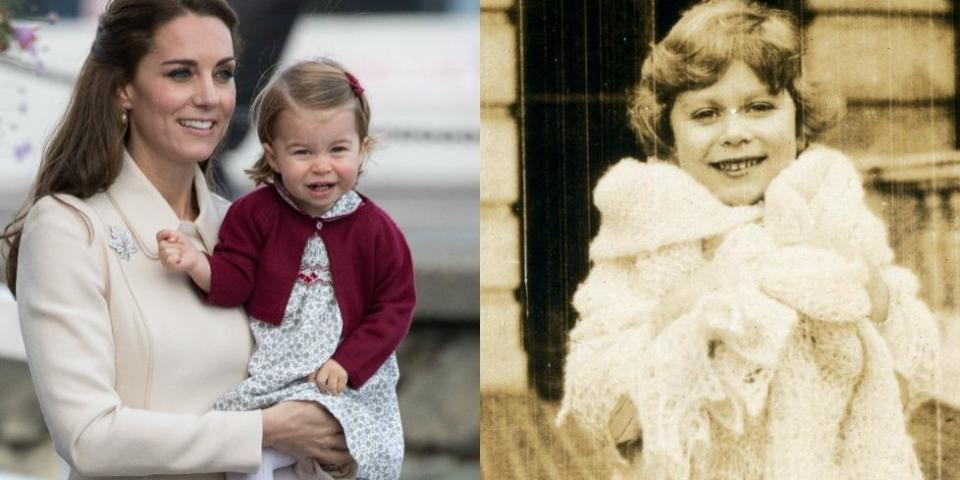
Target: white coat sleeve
x=62, y=300
x=912, y=336
x=910, y=330
x=616, y=305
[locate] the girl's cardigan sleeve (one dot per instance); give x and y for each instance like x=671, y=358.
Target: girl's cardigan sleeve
x=387, y=318
x=65, y=320
x=233, y=266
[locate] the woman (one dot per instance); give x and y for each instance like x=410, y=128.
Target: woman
x=742, y=317
x=127, y=360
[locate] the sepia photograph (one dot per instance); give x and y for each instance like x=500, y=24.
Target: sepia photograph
x=720, y=239
x=240, y=239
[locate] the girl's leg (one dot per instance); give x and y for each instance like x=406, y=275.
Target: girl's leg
x=271, y=460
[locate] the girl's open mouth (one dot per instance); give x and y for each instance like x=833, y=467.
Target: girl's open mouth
x=320, y=188
x=737, y=166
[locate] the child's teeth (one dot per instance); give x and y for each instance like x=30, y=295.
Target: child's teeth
x=738, y=166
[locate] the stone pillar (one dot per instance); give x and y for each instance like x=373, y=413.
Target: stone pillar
x=503, y=362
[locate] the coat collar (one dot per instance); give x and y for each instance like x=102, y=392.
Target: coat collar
x=145, y=211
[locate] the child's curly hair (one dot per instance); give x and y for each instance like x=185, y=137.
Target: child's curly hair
x=696, y=53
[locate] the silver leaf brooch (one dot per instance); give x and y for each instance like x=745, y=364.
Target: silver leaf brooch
x=122, y=242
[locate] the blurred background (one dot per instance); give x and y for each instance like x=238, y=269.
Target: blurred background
x=418, y=60
x=554, y=81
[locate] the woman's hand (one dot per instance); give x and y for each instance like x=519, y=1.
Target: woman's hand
x=305, y=430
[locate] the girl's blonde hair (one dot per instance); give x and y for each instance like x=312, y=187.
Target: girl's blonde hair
x=315, y=85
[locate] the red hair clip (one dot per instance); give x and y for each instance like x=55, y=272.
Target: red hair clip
x=354, y=84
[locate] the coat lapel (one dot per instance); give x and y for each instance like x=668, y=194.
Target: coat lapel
x=145, y=212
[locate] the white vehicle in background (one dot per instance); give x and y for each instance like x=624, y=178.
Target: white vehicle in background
x=421, y=75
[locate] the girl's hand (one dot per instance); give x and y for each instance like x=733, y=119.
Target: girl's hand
x=625, y=428
x=177, y=253
x=305, y=430
x=879, y=296
x=331, y=378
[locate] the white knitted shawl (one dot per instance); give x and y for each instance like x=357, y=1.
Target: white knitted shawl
x=777, y=373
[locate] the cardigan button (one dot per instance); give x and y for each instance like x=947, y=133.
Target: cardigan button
x=319, y=224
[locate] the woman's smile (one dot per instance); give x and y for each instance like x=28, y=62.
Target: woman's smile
x=182, y=94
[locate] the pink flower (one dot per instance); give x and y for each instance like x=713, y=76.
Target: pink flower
x=20, y=152
x=26, y=36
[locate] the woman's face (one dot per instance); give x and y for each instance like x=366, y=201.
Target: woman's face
x=182, y=94
x=735, y=136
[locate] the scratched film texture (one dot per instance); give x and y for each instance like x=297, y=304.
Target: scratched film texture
x=553, y=79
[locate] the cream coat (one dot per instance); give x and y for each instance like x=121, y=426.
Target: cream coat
x=126, y=358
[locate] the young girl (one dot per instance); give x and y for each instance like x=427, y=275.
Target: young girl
x=743, y=318
x=324, y=274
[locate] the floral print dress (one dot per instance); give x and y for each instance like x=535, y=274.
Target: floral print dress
x=306, y=338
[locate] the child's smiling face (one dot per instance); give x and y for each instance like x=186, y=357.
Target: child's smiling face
x=318, y=154
x=735, y=136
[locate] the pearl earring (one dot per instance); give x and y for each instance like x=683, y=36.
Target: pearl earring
x=123, y=114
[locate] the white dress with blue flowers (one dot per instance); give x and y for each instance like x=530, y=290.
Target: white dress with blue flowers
x=306, y=338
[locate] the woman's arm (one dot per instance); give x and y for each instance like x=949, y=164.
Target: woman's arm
x=65, y=318
x=305, y=430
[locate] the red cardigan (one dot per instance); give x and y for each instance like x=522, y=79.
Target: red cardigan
x=258, y=257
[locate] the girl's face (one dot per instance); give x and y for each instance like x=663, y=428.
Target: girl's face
x=182, y=94
x=317, y=154
x=735, y=136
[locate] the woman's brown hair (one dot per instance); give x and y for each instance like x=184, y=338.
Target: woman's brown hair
x=312, y=84
x=85, y=152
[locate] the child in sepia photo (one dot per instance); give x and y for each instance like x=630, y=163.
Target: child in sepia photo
x=743, y=316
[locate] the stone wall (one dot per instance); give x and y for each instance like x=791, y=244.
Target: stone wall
x=895, y=63
x=503, y=363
